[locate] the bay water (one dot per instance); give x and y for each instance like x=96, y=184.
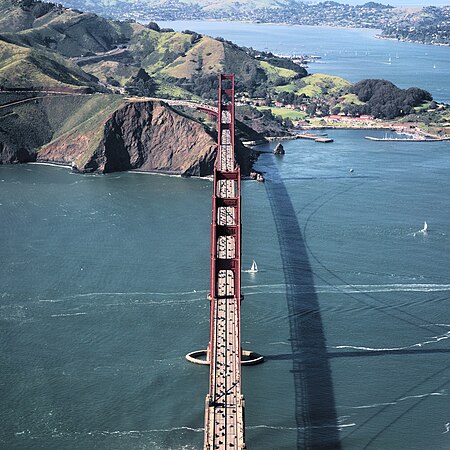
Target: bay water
x=103, y=291
x=103, y=287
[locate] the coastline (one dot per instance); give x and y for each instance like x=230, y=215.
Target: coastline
x=51, y=164
x=141, y=172
x=285, y=24
x=409, y=41
x=164, y=173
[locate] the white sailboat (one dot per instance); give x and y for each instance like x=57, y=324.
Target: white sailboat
x=425, y=228
x=254, y=267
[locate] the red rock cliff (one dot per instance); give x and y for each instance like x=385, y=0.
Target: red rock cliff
x=148, y=136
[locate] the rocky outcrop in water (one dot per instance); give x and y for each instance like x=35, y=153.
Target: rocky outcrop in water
x=279, y=150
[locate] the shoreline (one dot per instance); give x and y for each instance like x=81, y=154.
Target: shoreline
x=137, y=171
x=163, y=173
x=284, y=24
x=409, y=41
x=51, y=164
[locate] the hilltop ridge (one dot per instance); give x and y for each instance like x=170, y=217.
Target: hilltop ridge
x=109, y=53
x=428, y=24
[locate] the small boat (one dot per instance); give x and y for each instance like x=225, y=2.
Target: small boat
x=425, y=228
x=254, y=267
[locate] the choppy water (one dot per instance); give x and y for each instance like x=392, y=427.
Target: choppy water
x=103, y=291
x=354, y=54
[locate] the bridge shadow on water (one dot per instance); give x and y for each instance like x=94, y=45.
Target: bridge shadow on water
x=315, y=412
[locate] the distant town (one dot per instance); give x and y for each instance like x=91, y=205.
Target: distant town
x=427, y=25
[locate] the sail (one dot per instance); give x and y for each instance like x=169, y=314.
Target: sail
x=254, y=267
x=425, y=226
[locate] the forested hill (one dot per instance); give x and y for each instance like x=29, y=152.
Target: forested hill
x=381, y=98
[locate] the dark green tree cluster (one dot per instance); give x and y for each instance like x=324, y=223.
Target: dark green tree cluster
x=203, y=85
x=141, y=84
x=195, y=37
x=290, y=98
x=153, y=26
x=254, y=81
x=385, y=100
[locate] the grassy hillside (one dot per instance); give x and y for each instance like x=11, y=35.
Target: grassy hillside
x=74, y=115
x=206, y=56
x=15, y=18
x=107, y=71
x=114, y=51
x=316, y=86
x=29, y=68
x=80, y=118
x=30, y=125
x=73, y=34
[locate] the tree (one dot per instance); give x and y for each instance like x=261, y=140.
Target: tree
x=141, y=84
x=385, y=100
x=311, y=109
x=153, y=26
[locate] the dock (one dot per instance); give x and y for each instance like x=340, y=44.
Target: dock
x=415, y=139
x=324, y=140
x=321, y=138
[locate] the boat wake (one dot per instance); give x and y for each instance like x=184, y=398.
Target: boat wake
x=409, y=397
x=349, y=288
x=69, y=314
x=433, y=340
x=129, y=294
x=274, y=427
x=423, y=231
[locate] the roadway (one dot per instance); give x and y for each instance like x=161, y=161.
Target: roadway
x=224, y=415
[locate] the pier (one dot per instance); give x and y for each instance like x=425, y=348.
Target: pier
x=321, y=138
x=412, y=139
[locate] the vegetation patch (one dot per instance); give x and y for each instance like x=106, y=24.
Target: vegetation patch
x=285, y=113
x=382, y=99
x=275, y=73
x=316, y=86
x=207, y=56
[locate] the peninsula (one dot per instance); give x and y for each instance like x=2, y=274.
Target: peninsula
x=104, y=95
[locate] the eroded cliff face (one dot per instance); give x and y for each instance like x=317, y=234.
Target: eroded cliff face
x=10, y=154
x=148, y=136
x=100, y=133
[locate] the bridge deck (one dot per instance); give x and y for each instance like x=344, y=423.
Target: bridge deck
x=224, y=412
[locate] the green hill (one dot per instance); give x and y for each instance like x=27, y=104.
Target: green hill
x=316, y=86
x=29, y=68
x=114, y=51
x=65, y=31
x=22, y=15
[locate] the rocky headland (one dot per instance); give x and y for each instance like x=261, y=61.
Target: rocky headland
x=108, y=134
